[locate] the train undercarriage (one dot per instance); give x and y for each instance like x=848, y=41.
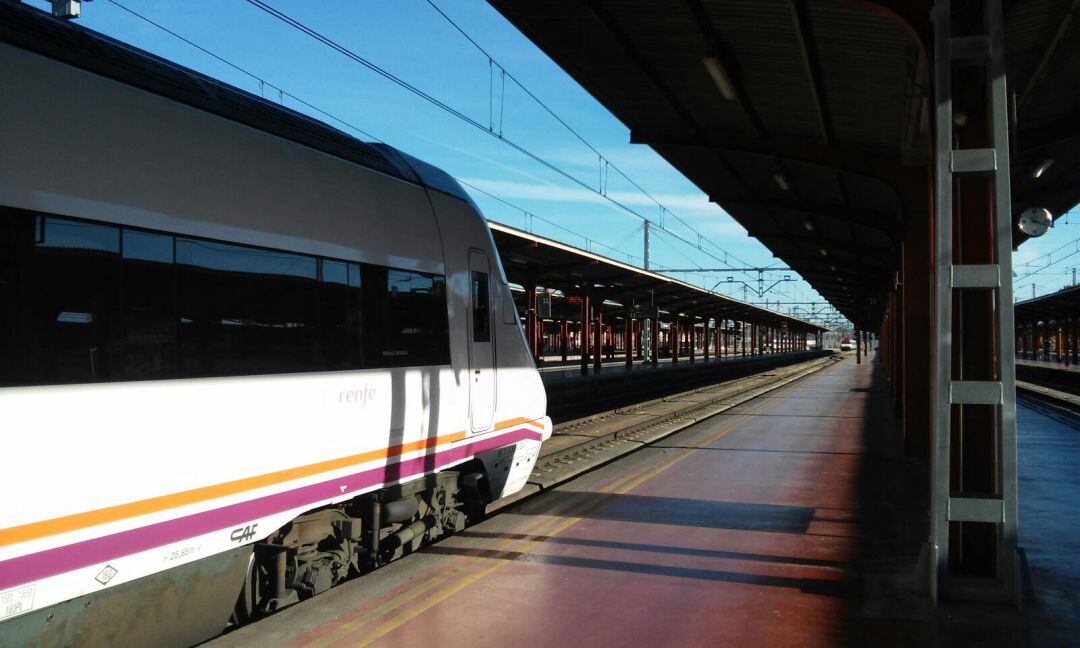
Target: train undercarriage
x=327, y=546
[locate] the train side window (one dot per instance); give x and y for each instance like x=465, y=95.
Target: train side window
x=481, y=308
x=404, y=318
x=10, y=349
x=246, y=310
x=339, y=314
x=147, y=335
x=70, y=272
x=92, y=302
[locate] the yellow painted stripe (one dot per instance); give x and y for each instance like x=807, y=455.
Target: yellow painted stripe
x=462, y=566
x=45, y=528
x=525, y=546
x=356, y=633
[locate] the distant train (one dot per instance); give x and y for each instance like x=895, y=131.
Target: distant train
x=242, y=355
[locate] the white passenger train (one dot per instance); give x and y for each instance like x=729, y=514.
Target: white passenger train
x=242, y=355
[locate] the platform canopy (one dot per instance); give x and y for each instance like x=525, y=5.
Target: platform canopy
x=531, y=260
x=808, y=120
x=1047, y=308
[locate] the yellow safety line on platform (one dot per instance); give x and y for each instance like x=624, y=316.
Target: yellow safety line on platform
x=620, y=486
x=538, y=527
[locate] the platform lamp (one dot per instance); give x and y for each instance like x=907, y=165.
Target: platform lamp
x=67, y=9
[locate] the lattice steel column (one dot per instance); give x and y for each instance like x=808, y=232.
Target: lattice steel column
x=953, y=511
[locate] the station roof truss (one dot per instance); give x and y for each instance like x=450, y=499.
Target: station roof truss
x=1054, y=307
x=810, y=124
x=534, y=260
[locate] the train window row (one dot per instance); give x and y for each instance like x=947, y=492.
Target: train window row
x=88, y=302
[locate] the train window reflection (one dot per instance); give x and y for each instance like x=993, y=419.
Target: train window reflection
x=145, y=342
x=144, y=246
x=252, y=311
x=481, y=313
x=405, y=320
x=90, y=302
x=69, y=292
x=63, y=233
x=339, y=314
x=237, y=258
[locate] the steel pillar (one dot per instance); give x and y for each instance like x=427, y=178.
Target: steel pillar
x=972, y=544
x=654, y=340
x=673, y=331
x=530, y=318
x=583, y=333
x=691, y=335
x=628, y=340
x=564, y=331
x=705, y=337
x=598, y=335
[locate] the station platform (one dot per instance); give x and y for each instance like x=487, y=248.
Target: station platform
x=554, y=368
x=783, y=521
x=1048, y=364
x=779, y=523
x=1050, y=374
x=572, y=393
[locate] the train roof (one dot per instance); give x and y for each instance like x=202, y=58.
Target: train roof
x=36, y=31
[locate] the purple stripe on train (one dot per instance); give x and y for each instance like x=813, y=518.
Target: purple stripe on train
x=36, y=566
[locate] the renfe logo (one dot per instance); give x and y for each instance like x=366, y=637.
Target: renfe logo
x=361, y=396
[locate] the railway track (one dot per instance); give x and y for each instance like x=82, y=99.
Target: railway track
x=582, y=444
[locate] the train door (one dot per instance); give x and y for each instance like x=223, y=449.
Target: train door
x=481, y=345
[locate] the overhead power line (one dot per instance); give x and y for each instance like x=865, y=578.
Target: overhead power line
x=282, y=92
x=605, y=160
x=489, y=128
x=262, y=82
x=1050, y=261
x=285, y=93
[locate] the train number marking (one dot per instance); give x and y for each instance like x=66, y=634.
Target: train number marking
x=17, y=600
x=244, y=533
x=178, y=554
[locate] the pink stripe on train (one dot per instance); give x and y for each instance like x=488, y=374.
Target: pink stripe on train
x=43, y=564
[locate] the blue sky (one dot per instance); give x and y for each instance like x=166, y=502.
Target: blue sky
x=411, y=40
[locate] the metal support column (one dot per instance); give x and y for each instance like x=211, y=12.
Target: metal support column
x=628, y=340
x=673, y=333
x=583, y=333
x=530, y=318
x=979, y=403
x=654, y=340
x=598, y=335
x=692, y=335
x=705, y=337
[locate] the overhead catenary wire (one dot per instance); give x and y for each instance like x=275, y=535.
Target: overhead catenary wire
x=1049, y=256
x=285, y=93
x=606, y=164
x=382, y=72
x=282, y=93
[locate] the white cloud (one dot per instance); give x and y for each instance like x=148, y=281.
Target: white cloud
x=546, y=191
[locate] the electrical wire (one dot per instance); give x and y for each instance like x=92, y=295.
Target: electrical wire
x=248, y=73
x=606, y=161
x=380, y=71
x=285, y=93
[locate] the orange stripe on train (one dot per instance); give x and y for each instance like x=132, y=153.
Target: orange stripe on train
x=54, y=526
